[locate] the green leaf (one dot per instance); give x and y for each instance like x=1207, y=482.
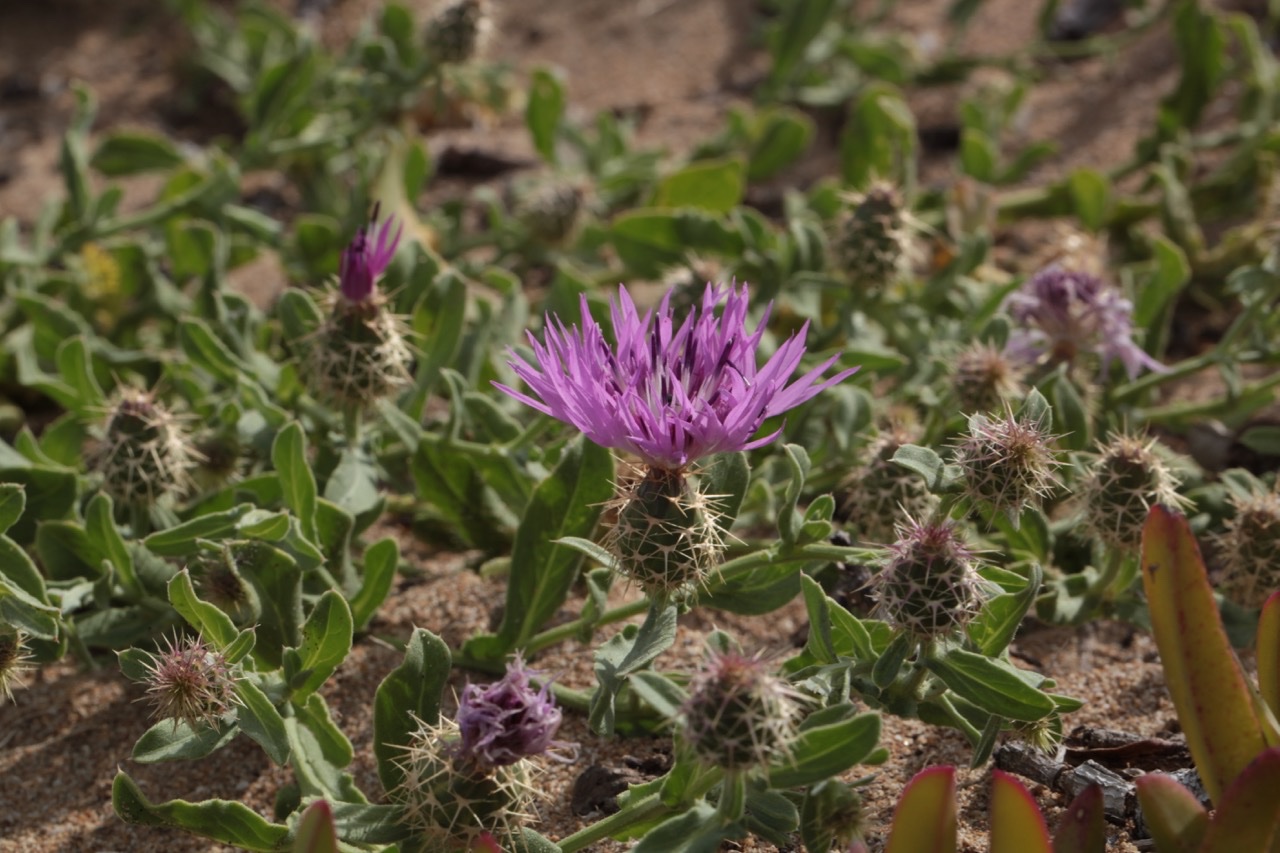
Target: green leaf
x=207, y=351
x=663, y=694
x=176, y=740
x=713, y=185
x=699, y=830
x=924, y=461
x=326, y=641
x=332, y=743
x=783, y=136
x=380, y=561
x=567, y=503
x=762, y=590
x=879, y=139
x=544, y=112
x=993, y=629
x=789, y=520
x=51, y=492
x=1172, y=271
x=1091, y=194
x=289, y=456
x=316, y=775
x=411, y=690
x=221, y=820
x=890, y=661
x=626, y=652
x=100, y=526
x=181, y=540
x=130, y=152
x=278, y=581
x=991, y=684
x=13, y=500
x=212, y=623
x=796, y=28
x=19, y=608
x=822, y=752
x=650, y=239
x=260, y=720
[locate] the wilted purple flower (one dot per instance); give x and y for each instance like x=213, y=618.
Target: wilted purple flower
x=508, y=720
x=365, y=259
x=668, y=395
x=1062, y=312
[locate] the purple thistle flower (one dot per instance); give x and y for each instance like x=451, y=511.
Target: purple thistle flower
x=508, y=720
x=1062, y=312
x=365, y=259
x=670, y=396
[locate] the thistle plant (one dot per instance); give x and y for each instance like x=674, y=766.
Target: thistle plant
x=872, y=241
x=671, y=396
x=549, y=209
x=470, y=780
x=879, y=494
x=1007, y=461
x=190, y=682
x=1124, y=481
x=360, y=354
x=929, y=587
x=984, y=378
x=1249, y=548
x=1062, y=315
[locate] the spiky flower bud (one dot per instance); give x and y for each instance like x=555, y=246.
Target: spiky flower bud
x=458, y=31
x=836, y=811
x=738, y=715
x=1124, y=481
x=880, y=494
x=360, y=355
x=929, y=587
x=984, y=379
x=144, y=454
x=549, y=209
x=666, y=538
x=455, y=803
x=872, y=241
x=13, y=660
x=508, y=720
x=1007, y=462
x=190, y=682
x=1250, y=549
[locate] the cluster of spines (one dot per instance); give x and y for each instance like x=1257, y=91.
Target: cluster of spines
x=190, y=682
x=549, y=210
x=929, y=587
x=738, y=715
x=879, y=493
x=360, y=355
x=1249, y=548
x=872, y=240
x=451, y=801
x=1125, y=480
x=144, y=453
x=1007, y=461
x=666, y=538
x=13, y=661
x=218, y=578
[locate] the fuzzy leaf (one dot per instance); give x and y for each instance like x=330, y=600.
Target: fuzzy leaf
x=181, y=539
x=712, y=185
x=13, y=500
x=1016, y=823
x=213, y=624
x=260, y=720
x=289, y=456
x=221, y=820
x=380, y=561
x=991, y=684
x=626, y=652
x=699, y=830
x=278, y=581
x=825, y=751
x=176, y=740
x=544, y=111
x=1208, y=688
x=326, y=641
x=925, y=818
x=412, y=689
x=567, y=503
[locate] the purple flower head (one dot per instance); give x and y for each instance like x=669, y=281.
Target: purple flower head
x=507, y=720
x=367, y=257
x=669, y=395
x=1063, y=312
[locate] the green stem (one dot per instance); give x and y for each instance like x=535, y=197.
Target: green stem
x=730, y=571
x=351, y=422
x=1097, y=591
x=1176, y=371
x=1209, y=408
x=962, y=724
x=645, y=810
